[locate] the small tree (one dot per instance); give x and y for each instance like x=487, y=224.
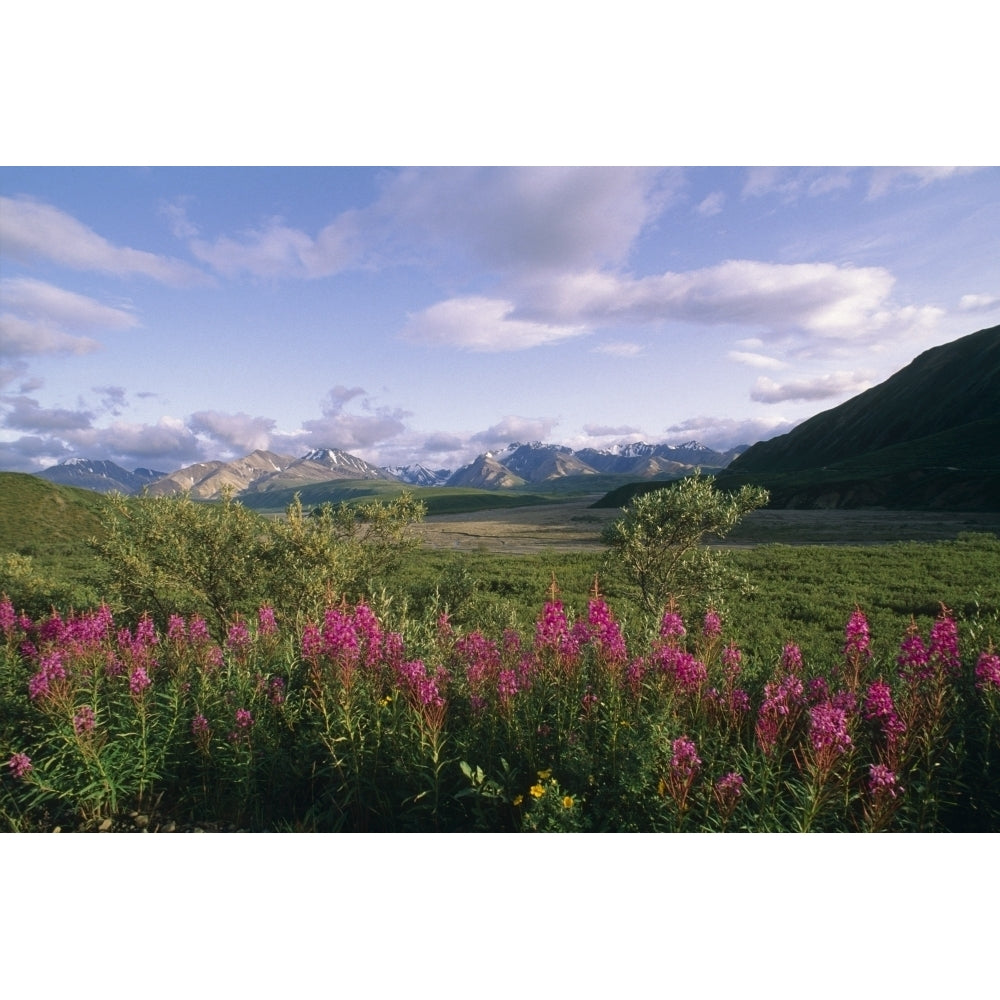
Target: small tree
x=657, y=539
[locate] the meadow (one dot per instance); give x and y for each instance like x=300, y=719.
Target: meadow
x=504, y=676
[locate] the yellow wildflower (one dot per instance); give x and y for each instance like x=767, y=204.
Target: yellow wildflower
x=542, y=775
x=537, y=790
x=567, y=802
x=518, y=799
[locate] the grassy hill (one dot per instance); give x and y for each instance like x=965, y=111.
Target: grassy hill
x=439, y=499
x=926, y=438
x=44, y=555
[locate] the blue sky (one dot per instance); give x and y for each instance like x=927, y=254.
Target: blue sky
x=162, y=316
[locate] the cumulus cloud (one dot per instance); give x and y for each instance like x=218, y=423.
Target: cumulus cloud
x=513, y=428
x=476, y=323
x=275, y=250
x=240, y=433
x=723, y=433
x=26, y=414
x=340, y=428
x=978, y=303
x=833, y=384
x=820, y=298
x=32, y=229
x=166, y=445
x=531, y=217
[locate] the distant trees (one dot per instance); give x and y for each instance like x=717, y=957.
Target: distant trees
x=174, y=555
x=657, y=541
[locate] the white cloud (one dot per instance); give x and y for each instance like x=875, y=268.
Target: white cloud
x=26, y=414
x=476, y=323
x=619, y=349
x=722, y=433
x=239, y=432
x=275, y=250
x=711, y=205
x=978, y=303
x=514, y=428
x=819, y=298
x=887, y=179
x=40, y=300
x=33, y=229
x=755, y=360
x=832, y=384
x=20, y=337
x=527, y=218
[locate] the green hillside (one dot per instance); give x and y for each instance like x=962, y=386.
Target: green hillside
x=927, y=438
x=438, y=499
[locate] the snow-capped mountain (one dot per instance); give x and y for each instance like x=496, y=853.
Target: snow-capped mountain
x=419, y=475
x=99, y=476
x=539, y=463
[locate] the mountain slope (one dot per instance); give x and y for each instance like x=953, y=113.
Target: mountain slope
x=928, y=437
x=99, y=476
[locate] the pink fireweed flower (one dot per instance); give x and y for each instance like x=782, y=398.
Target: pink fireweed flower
x=685, y=762
x=50, y=671
x=8, y=616
x=145, y=632
x=988, y=670
x=791, y=659
x=138, y=681
x=727, y=792
x=244, y=718
x=20, y=765
x=914, y=658
x=732, y=661
x=828, y=729
x=369, y=634
x=83, y=720
x=507, y=685
x=199, y=726
x=312, y=644
x=605, y=632
x=712, y=624
x=817, y=690
x=672, y=625
x=266, y=625
x=238, y=636
x=883, y=782
x=687, y=672
x=552, y=631
x=634, y=673
x=857, y=639
x=944, y=643
x=589, y=702
x=878, y=707
x=176, y=629
x=276, y=691
x=198, y=631
x=779, y=710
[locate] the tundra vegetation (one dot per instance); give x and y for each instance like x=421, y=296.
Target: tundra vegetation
x=316, y=672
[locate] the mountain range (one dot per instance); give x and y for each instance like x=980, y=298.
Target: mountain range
x=518, y=464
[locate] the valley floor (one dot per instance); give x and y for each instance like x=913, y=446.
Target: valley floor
x=574, y=526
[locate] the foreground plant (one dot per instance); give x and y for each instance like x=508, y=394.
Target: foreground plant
x=344, y=722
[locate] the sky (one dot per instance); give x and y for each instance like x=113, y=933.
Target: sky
x=158, y=317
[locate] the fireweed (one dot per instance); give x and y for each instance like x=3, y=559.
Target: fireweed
x=346, y=722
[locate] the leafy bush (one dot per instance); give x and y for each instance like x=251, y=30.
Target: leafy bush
x=657, y=540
